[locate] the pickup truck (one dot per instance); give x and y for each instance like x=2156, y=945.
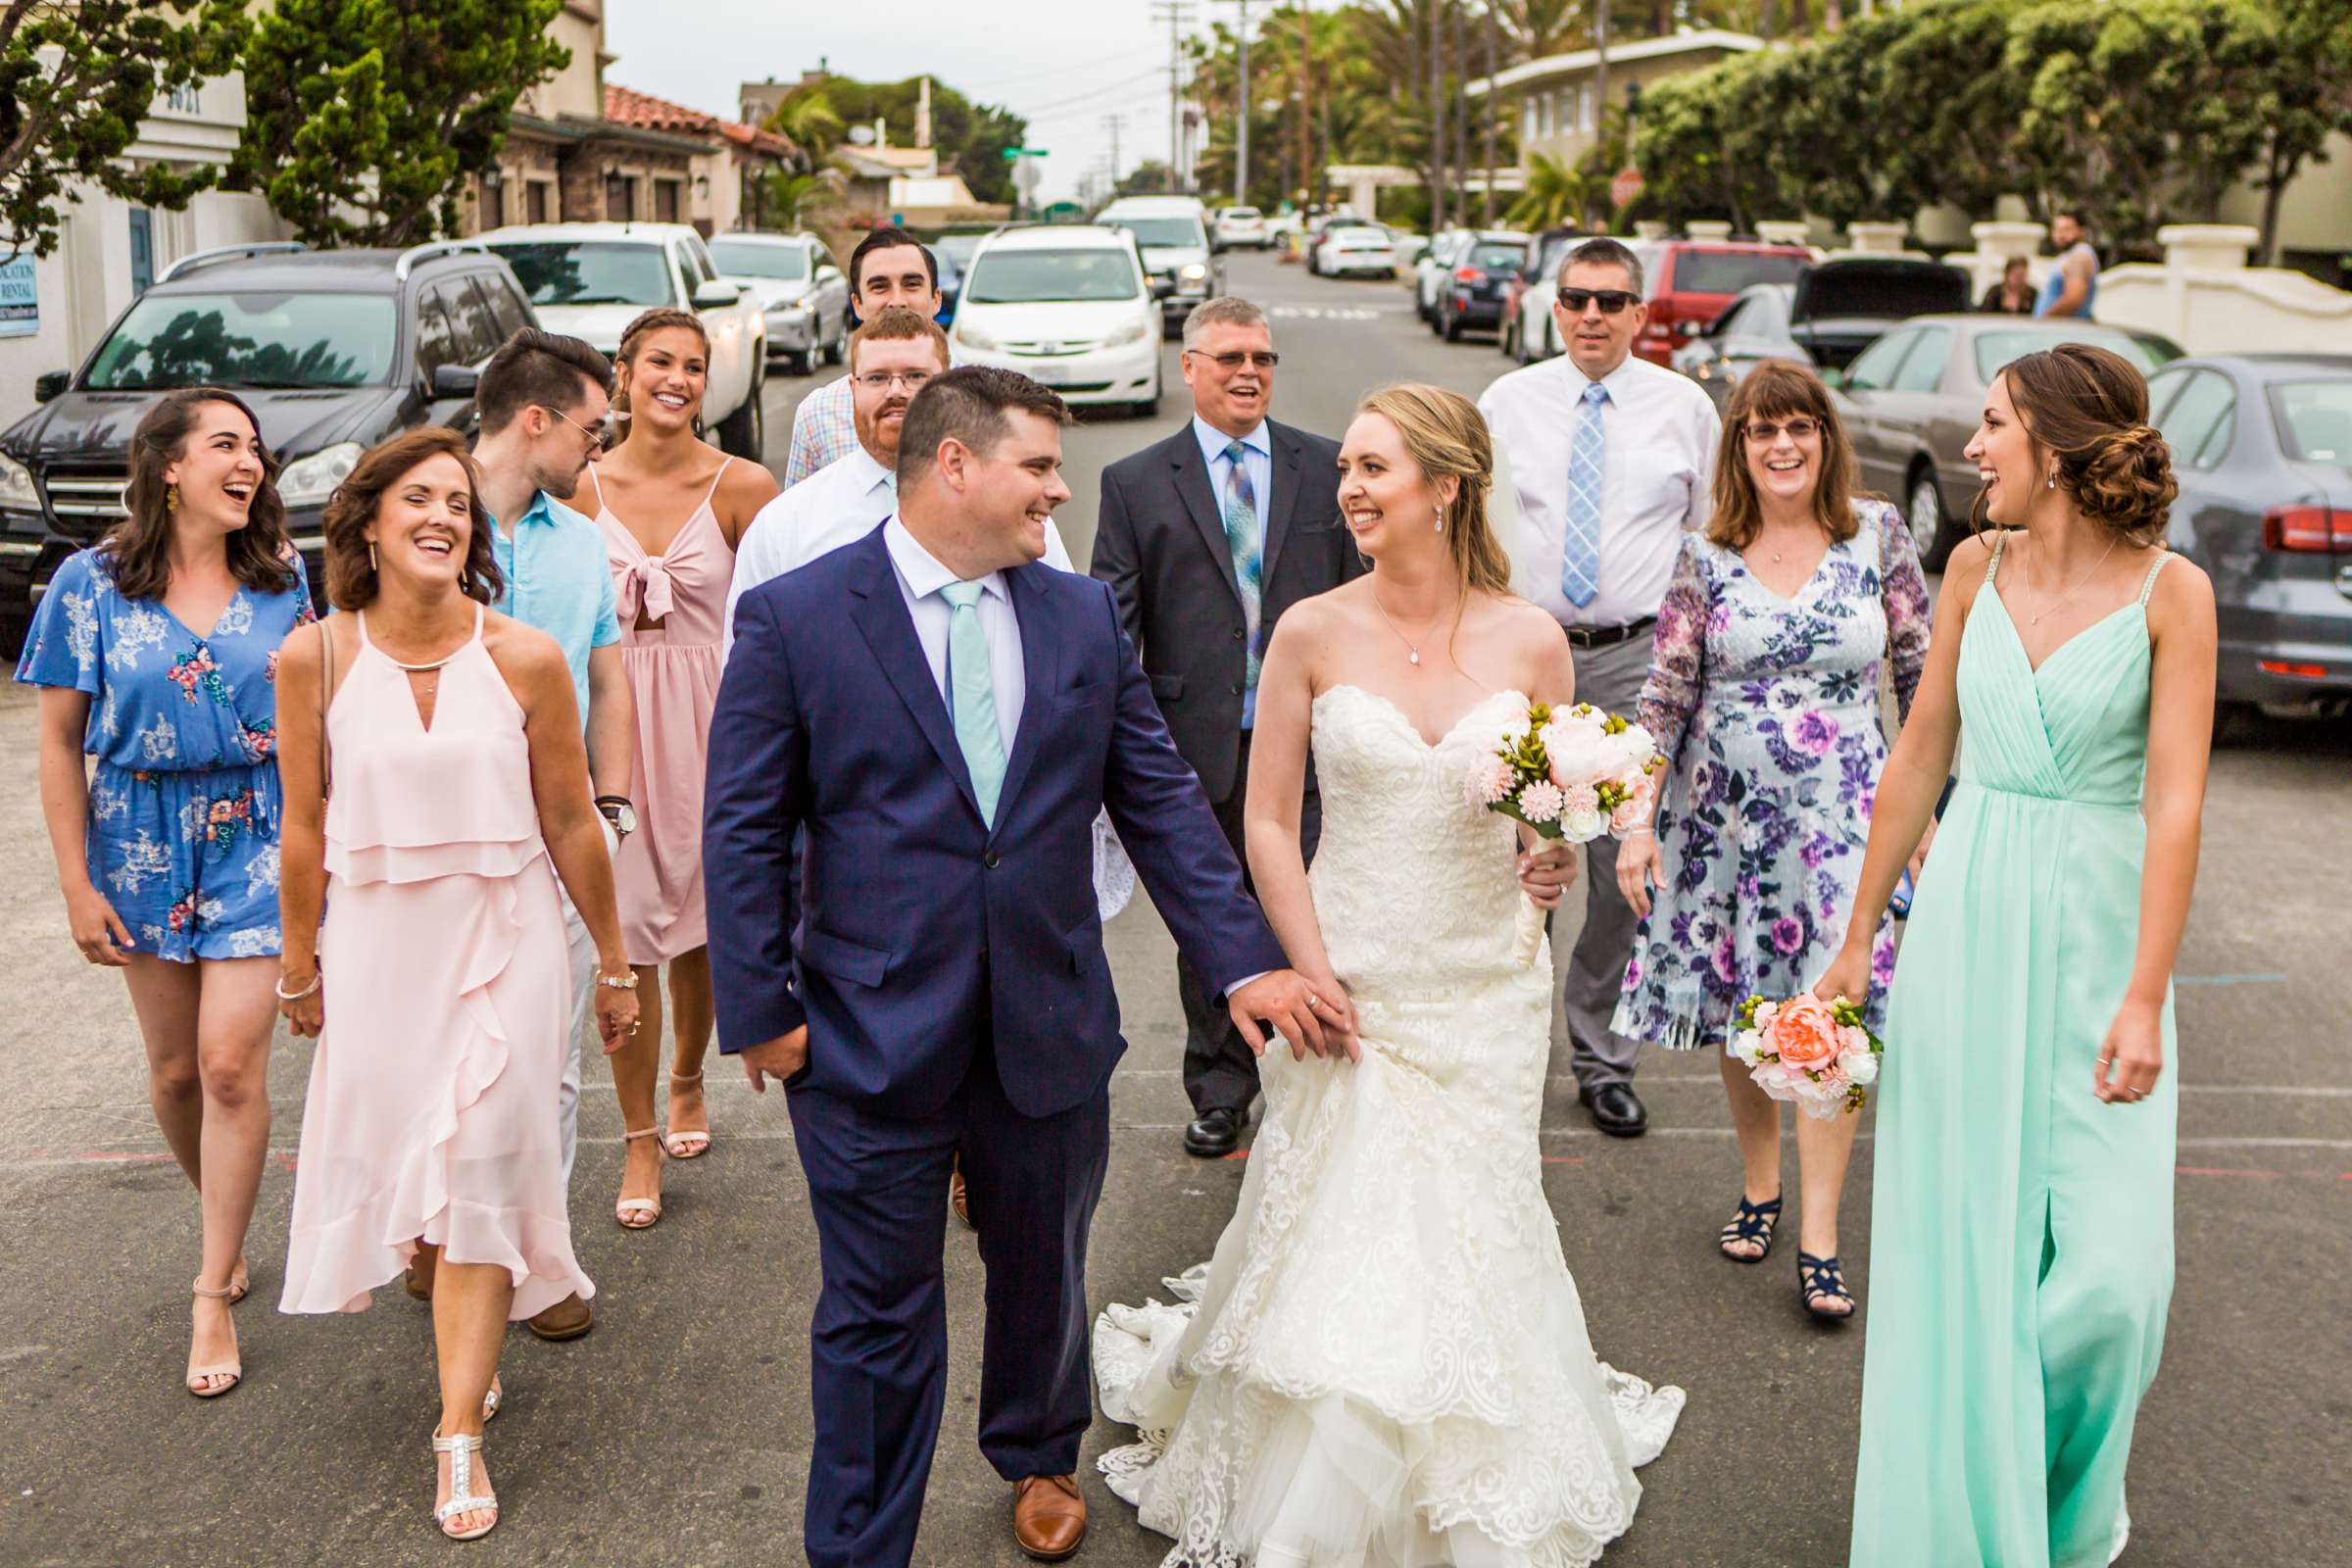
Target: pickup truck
x=591, y=281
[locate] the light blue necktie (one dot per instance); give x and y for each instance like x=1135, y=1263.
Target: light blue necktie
x=1241, y=537
x=1580, y=538
x=972, y=696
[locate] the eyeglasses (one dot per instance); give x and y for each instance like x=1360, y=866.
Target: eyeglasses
x=601, y=435
x=1765, y=433
x=1610, y=300
x=1264, y=360
x=884, y=380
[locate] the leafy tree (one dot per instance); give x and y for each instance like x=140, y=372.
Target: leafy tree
x=1556, y=193
x=1946, y=123
x=1692, y=151
x=971, y=137
x=2306, y=95
x=366, y=117
x=805, y=117
x=794, y=199
x=76, y=77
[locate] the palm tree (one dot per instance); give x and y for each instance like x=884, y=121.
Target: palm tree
x=798, y=200
x=806, y=117
x=1557, y=193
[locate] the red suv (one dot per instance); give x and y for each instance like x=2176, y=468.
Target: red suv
x=1688, y=283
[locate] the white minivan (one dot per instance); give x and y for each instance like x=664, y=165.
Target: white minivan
x=1069, y=305
x=1171, y=234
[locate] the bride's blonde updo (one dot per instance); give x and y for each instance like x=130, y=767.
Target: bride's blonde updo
x=1445, y=435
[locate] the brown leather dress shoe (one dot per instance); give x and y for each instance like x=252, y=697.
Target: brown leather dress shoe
x=956, y=1198
x=1049, y=1518
x=567, y=1319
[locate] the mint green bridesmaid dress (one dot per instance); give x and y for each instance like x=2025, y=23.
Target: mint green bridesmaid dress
x=2022, y=1229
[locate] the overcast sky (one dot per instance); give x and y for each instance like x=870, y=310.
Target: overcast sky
x=1063, y=64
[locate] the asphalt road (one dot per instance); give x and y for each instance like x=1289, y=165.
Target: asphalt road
x=678, y=1431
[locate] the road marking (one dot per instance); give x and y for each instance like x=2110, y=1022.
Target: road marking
x=1325, y=312
x=2230, y=979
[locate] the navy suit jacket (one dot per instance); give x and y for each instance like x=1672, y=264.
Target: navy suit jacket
x=909, y=927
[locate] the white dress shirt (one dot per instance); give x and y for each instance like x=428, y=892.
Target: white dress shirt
x=1657, y=477
x=838, y=505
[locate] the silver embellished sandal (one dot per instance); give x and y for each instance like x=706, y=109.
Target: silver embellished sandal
x=463, y=1500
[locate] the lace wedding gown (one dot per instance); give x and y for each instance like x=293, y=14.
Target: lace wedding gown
x=1385, y=1363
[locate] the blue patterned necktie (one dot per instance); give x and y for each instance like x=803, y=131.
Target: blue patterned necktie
x=1579, y=538
x=972, y=696
x=1241, y=537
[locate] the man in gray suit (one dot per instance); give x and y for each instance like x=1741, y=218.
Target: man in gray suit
x=1206, y=538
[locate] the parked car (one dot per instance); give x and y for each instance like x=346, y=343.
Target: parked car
x=2262, y=450
x=1171, y=234
x=1911, y=401
x=802, y=294
x=1069, y=306
x=1528, y=331
x=1354, y=250
x=960, y=245
x=1470, y=295
x=1688, y=282
x=1430, y=269
x=591, y=281
x=1827, y=316
x=951, y=282
x=1319, y=229
x=1237, y=227
x=334, y=350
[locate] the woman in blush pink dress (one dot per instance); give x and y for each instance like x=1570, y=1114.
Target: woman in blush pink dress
x=455, y=788
x=671, y=507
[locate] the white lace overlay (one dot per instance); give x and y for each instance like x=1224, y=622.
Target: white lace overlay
x=1386, y=1363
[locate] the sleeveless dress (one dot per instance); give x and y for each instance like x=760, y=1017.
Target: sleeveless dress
x=432, y=1112
x=673, y=672
x=2021, y=1230
x=1388, y=1364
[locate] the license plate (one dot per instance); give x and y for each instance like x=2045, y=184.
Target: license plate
x=1047, y=373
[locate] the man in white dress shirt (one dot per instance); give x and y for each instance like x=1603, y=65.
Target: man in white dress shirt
x=891, y=358
x=1609, y=460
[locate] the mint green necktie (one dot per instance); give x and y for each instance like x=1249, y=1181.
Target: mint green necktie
x=972, y=696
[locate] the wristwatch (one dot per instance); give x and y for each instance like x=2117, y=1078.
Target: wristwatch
x=619, y=812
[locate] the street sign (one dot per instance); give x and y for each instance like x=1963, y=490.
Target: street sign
x=1626, y=189
x=1011, y=153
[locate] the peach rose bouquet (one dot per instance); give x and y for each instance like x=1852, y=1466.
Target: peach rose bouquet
x=1815, y=1054
x=1571, y=774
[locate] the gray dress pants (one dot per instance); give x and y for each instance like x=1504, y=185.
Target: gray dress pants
x=1609, y=678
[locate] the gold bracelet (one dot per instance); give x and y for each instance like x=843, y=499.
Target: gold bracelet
x=624, y=981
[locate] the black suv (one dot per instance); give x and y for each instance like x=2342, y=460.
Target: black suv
x=334, y=350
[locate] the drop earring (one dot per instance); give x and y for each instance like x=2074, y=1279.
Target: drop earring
x=172, y=501
x=2052, y=484
x=372, y=554
x=1436, y=520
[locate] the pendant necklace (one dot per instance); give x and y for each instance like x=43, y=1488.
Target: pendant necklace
x=1413, y=650
x=2052, y=608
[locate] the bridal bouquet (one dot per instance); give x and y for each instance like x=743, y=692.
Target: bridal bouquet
x=1570, y=774
x=1817, y=1054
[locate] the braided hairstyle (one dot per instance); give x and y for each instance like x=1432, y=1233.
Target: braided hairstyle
x=2088, y=407
x=632, y=340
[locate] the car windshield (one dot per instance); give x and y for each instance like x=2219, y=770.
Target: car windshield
x=1997, y=349
x=1244, y=213
x=959, y=248
x=786, y=264
x=1170, y=233
x=1498, y=257
x=2316, y=418
x=950, y=274
x=1029, y=277
x=575, y=273
x=250, y=340
x=1730, y=271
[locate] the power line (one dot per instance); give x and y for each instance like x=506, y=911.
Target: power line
x=1091, y=101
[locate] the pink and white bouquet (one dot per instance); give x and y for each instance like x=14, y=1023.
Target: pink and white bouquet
x=1569, y=773
x=1817, y=1054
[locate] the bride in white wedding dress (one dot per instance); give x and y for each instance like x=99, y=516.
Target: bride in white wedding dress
x=1388, y=1363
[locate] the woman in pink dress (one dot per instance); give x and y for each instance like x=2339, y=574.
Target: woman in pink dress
x=454, y=789
x=672, y=506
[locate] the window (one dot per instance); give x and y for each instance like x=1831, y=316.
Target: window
x=1023, y=277
x=1724, y=326
x=2198, y=423
x=2315, y=419
x=1923, y=372
x=436, y=339
x=1997, y=349
x=590, y=271
x=702, y=268
x=1533, y=118
x=473, y=331
x=1875, y=366
x=247, y=340
x=1162, y=234
x=1727, y=272
x=750, y=258
x=507, y=312
x=1584, y=109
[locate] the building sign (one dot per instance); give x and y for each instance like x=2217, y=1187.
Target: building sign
x=20, y=297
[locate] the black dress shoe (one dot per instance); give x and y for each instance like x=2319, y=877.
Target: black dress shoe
x=1616, y=1109
x=1213, y=1133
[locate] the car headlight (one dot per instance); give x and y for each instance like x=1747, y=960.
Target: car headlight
x=16, y=485
x=1132, y=332
x=1195, y=273
x=308, y=481
x=973, y=337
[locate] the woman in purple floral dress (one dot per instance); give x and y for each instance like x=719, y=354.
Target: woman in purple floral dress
x=1764, y=695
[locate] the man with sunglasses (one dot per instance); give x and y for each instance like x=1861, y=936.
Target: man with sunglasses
x=1207, y=539
x=891, y=359
x=1608, y=461
x=544, y=404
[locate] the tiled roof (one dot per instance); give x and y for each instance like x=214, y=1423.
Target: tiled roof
x=629, y=107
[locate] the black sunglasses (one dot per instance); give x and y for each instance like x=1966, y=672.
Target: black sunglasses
x=1610, y=300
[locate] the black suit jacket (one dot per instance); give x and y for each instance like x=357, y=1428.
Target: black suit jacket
x=1160, y=545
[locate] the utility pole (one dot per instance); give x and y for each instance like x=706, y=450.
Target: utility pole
x=1486, y=206
x=1175, y=13
x=1437, y=115
x=1113, y=123
x=1306, y=102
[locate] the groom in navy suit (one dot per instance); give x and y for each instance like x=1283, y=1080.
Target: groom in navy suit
x=941, y=716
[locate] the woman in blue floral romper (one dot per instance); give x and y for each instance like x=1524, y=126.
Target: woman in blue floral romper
x=1764, y=695
x=167, y=853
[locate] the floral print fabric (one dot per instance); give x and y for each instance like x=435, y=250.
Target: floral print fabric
x=1769, y=710
x=184, y=817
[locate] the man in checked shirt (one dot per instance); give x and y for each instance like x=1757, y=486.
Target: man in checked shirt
x=889, y=267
